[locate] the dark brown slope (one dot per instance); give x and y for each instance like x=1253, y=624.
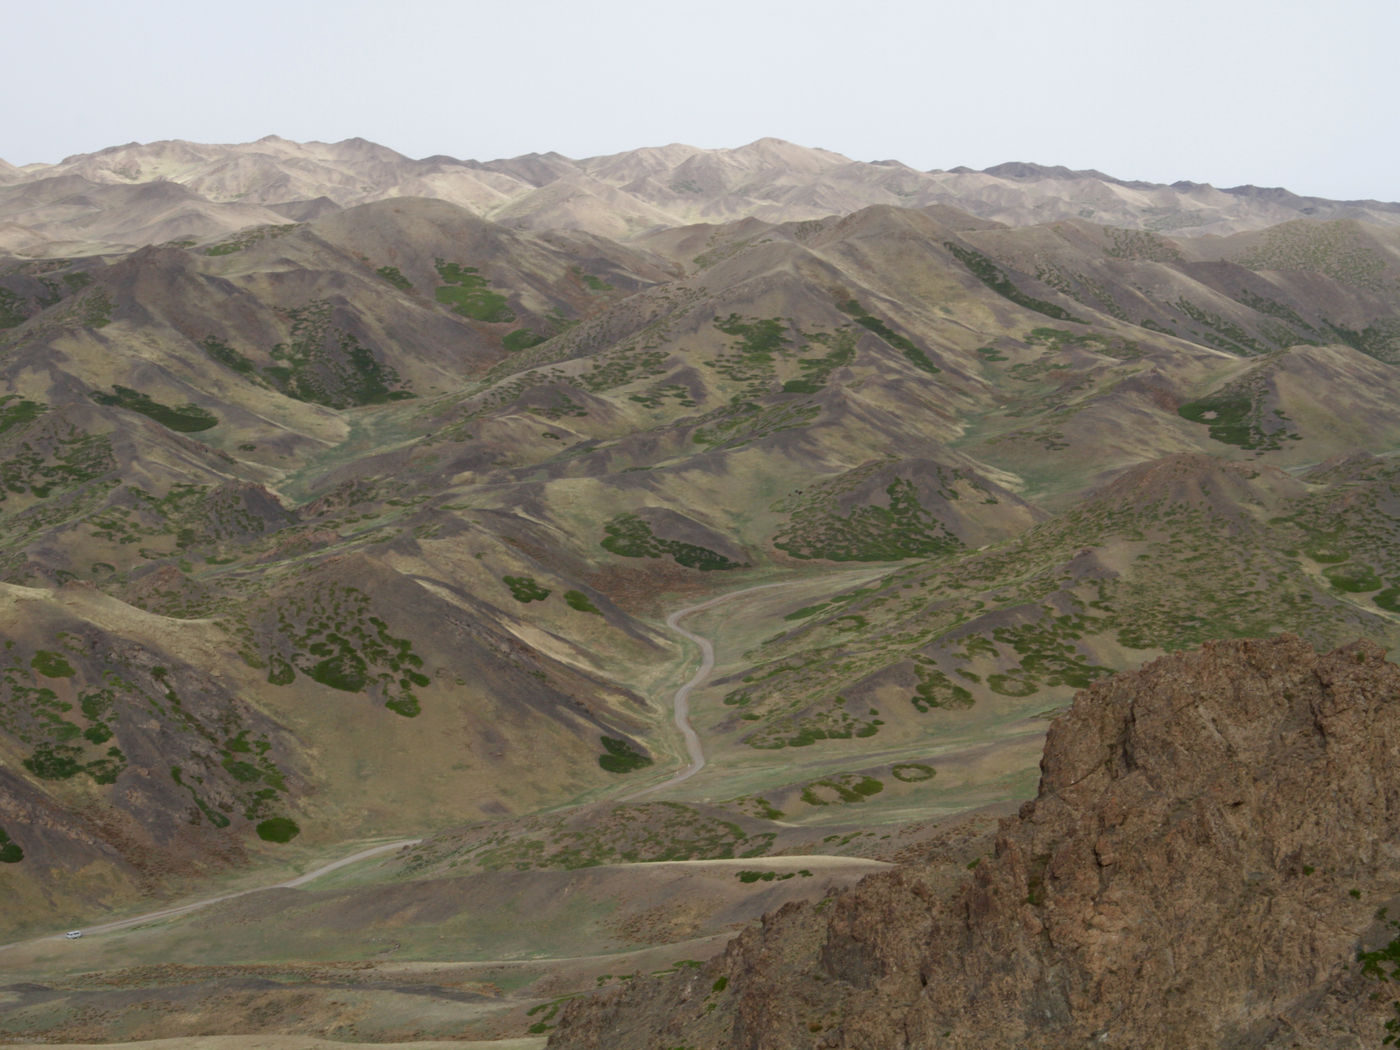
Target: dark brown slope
x=1213, y=843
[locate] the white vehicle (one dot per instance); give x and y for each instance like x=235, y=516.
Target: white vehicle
x=73, y=935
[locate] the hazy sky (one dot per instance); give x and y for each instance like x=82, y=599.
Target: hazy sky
x=1284, y=92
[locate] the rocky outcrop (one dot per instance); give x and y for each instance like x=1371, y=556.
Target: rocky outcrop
x=1215, y=843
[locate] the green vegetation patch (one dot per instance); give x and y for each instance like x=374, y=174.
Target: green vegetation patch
x=848, y=787
x=936, y=689
x=1220, y=331
x=10, y=852
x=326, y=365
x=817, y=371
x=990, y=274
x=865, y=319
x=51, y=664
x=249, y=237
x=1388, y=599
x=912, y=772
x=187, y=419
x=769, y=876
x=330, y=635
x=619, y=756
x=810, y=726
x=1380, y=340
x=739, y=423
x=395, y=276
x=16, y=411
x=631, y=537
x=1383, y=964
x=580, y=601
x=1235, y=417
x=903, y=529
x=522, y=339
x=758, y=338
x=756, y=346
x=525, y=589
x=1353, y=578
x=1109, y=345
x=469, y=294
x=592, y=282
x=278, y=829
x=55, y=761
x=14, y=310
x=1340, y=249
x=1048, y=655
x=227, y=356
x=1141, y=245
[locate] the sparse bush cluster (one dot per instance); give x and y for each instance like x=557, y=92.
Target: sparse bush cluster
x=619, y=756
x=331, y=636
x=186, y=419
x=990, y=274
x=10, y=851
x=631, y=537
x=525, y=589
x=902, y=529
x=470, y=294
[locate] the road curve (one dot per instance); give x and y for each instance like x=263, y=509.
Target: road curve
x=300, y=880
x=681, y=702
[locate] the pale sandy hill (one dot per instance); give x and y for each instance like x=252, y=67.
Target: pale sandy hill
x=579, y=202
x=618, y=168
x=74, y=210
x=537, y=169
x=624, y=194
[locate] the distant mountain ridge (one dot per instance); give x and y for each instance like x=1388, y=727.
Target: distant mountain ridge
x=622, y=195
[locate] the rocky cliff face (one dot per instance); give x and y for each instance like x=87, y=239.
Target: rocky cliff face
x=1214, y=849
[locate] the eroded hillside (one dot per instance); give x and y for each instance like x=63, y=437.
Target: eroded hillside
x=367, y=524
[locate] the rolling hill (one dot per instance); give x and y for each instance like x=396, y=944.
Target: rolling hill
x=346, y=496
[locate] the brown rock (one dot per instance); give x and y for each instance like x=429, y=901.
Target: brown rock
x=1214, y=840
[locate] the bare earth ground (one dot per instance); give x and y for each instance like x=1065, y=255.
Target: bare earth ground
x=375, y=951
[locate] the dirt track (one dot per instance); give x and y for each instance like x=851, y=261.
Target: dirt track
x=681, y=702
x=165, y=913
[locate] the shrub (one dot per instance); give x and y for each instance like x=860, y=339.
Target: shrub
x=1353, y=578
x=51, y=665
x=631, y=537
x=620, y=757
x=578, y=600
x=395, y=276
x=912, y=772
x=469, y=294
x=1388, y=599
x=10, y=853
x=281, y=672
x=187, y=419
x=521, y=339
x=344, y=671
x=525, y=589
x=278, y=829
x=54, y=761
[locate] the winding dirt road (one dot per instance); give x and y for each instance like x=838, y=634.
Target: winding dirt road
x=165, y=913
x=681, y=703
